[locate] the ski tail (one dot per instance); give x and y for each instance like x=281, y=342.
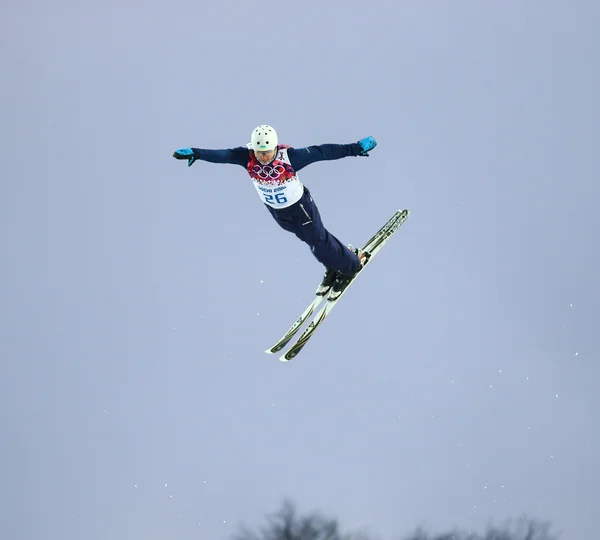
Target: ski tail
x=296, y=326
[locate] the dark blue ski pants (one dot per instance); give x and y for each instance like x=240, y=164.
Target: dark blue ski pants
x=303, y=219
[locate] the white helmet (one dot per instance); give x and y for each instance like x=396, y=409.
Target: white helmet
x=264, y=138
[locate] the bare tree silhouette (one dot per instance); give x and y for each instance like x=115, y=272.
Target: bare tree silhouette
x=288, y=524
x=522, y=529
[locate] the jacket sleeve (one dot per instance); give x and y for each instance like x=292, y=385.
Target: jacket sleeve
x=234, y=156
x=301, y=157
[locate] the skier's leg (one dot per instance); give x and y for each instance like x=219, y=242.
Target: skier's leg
x=326, y=248
x=285, y=219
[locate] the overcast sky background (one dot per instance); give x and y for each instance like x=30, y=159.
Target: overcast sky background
x=456, y=382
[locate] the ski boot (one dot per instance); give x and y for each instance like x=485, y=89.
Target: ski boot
x=342, y=281
x=328, y=281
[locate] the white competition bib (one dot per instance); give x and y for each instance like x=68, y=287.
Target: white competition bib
x=280, y=196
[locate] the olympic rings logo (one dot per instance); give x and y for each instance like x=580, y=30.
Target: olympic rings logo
x=268, y=172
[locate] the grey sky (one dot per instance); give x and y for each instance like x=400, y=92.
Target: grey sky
x=455, y=383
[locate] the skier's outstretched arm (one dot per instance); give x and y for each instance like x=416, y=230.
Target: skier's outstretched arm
x=234, y=156
x=301, y=157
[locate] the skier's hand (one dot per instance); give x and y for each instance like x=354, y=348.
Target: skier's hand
x=367, y=144
x=185, y=153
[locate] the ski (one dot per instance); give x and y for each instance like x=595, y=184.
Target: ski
x=373, y=246
x=315, y=303
x=297, y=325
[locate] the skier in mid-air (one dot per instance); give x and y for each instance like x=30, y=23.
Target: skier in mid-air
x=273, y=168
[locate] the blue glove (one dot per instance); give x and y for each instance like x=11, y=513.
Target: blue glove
x=185, y=153
x=367, y=144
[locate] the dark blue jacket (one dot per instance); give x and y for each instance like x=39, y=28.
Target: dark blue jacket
x=299, y=157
